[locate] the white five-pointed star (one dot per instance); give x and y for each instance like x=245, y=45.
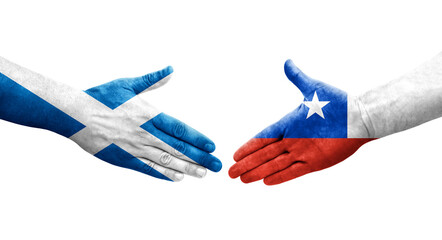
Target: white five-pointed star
x=315, y=106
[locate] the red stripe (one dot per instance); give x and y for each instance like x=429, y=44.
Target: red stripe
x=259, y=157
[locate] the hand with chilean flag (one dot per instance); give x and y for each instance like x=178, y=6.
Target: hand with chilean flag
x=322, y=131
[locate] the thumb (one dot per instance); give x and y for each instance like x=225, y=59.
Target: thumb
x=297, y=77
x=151, y=81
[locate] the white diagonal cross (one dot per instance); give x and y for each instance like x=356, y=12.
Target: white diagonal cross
x=104, y=126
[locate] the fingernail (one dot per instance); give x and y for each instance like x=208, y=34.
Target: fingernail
x=216, y=166
x=179, y=177
x=209, y=147
x=201, y=172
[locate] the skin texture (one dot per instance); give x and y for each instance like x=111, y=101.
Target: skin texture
x=287, y=159
x=109, y=121
x=403, y=103
x=291, y=147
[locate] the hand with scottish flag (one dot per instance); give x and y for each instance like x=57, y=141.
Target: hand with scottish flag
x=110, y=122
x=330, y=125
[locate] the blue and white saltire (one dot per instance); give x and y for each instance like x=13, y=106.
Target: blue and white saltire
x=110, y=121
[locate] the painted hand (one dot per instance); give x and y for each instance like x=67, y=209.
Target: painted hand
x=124, y=130
x=324, y=130
x=110, y=121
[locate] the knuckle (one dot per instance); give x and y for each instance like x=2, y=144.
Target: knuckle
x=168, y=172
x=165, y=158
x=180, y=149
x=179, y=130
x=147, y=168
x=276, y=166
x=198, y=141
x=187, y=168
x=203, y=160
x=151, y=165
x=147, y=79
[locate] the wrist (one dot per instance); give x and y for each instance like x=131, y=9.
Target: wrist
x=359, y=122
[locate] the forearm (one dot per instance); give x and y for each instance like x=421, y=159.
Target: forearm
x=411, y=100
x=30, y=99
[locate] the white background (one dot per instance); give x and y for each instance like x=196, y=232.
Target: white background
x=229, y=84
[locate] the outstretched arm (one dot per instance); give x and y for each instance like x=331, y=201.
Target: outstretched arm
x=109, y=121
x=330, y=125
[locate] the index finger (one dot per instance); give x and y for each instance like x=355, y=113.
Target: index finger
x=180, y=130
x=257, y=158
